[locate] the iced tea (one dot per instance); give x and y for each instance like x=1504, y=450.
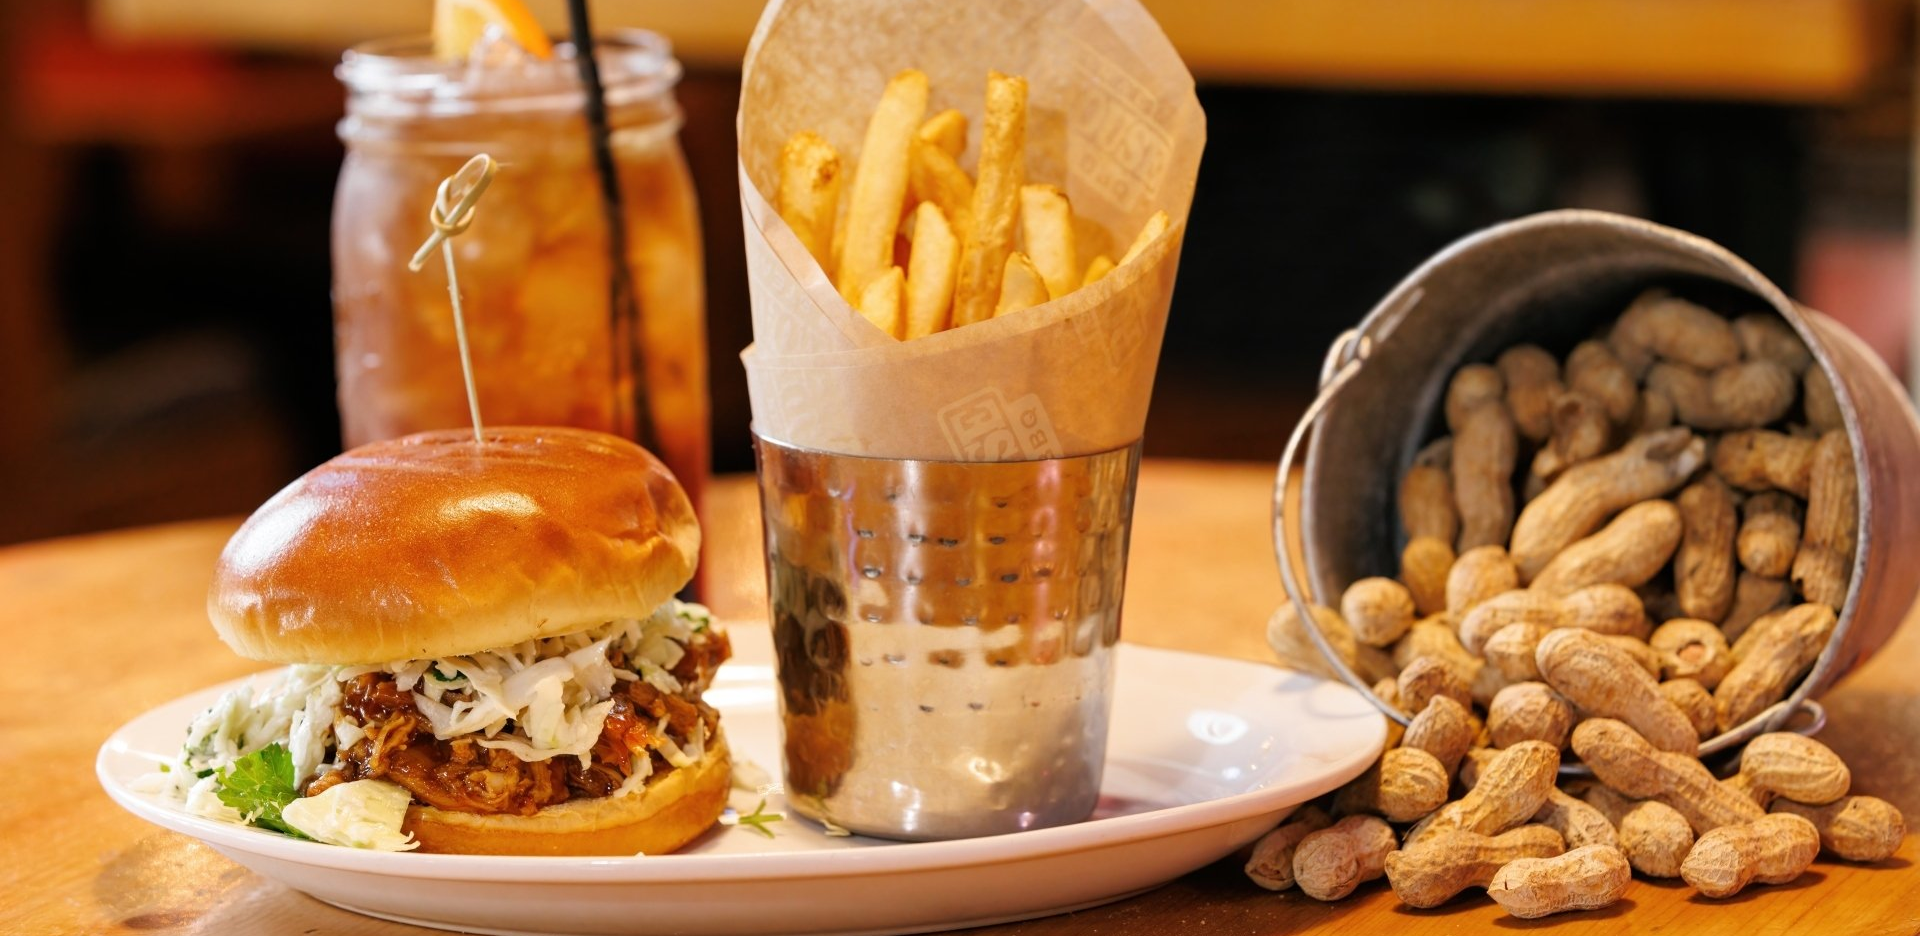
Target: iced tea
x=533, y=268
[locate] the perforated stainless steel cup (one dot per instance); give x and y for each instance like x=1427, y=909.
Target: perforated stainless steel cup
x=944, y=635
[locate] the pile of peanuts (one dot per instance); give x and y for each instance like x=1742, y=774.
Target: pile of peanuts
x=1683, y=540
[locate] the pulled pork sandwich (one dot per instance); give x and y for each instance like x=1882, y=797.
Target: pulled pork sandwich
x=486, y=655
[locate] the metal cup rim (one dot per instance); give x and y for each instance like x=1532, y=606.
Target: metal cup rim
x=767, y=440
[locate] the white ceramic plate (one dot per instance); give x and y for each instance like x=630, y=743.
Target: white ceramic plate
x=1205, y=755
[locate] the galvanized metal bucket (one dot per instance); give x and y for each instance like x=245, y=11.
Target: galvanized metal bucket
x=1553, y=279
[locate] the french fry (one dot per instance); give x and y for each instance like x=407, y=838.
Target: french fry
x=996, y=200
x=1101, y=266
x=1047, y=221
x=947, y=130
x=809, y=194
x=930, y=268
x=839, y=237
x=1021, y=286
x=1150, y=232
x=936, y=177
x=915, y=243
x=880, y=183
x=880, y=301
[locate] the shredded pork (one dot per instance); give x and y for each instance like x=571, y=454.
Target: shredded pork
x=462, y=775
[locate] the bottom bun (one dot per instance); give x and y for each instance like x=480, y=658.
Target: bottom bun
x=670, y=811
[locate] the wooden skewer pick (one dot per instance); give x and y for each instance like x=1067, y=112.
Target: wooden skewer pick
x=451, y=215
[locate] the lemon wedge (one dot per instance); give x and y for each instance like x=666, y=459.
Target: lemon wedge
x=458, y=24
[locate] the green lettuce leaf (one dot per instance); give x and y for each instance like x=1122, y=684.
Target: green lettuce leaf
x=258, y=785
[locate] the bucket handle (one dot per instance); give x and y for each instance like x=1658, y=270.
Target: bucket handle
x=1344, y=359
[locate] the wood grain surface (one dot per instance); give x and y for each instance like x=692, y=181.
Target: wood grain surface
x=102, y=628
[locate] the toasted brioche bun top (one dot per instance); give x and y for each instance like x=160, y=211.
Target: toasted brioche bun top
x=434, y=545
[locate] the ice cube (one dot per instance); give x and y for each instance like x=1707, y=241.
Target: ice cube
x=496, y=62
x=495, y=49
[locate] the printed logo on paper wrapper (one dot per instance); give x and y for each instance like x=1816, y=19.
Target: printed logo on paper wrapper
x=1118, y=332
x=1121, y=149
x=985, y=426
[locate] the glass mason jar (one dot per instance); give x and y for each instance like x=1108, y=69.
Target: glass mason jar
x=533, y=267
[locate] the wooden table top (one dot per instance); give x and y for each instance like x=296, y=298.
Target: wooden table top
x=112, y=625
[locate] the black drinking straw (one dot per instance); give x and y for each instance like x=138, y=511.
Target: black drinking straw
x=629, y=418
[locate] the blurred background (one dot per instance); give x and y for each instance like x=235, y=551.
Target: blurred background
x=167, y=170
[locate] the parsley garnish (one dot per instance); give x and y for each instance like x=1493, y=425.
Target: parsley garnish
x=258, y=785
x=760, y=818
x=697, y=615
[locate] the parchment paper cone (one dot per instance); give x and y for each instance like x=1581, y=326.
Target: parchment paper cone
x=1112, y=119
